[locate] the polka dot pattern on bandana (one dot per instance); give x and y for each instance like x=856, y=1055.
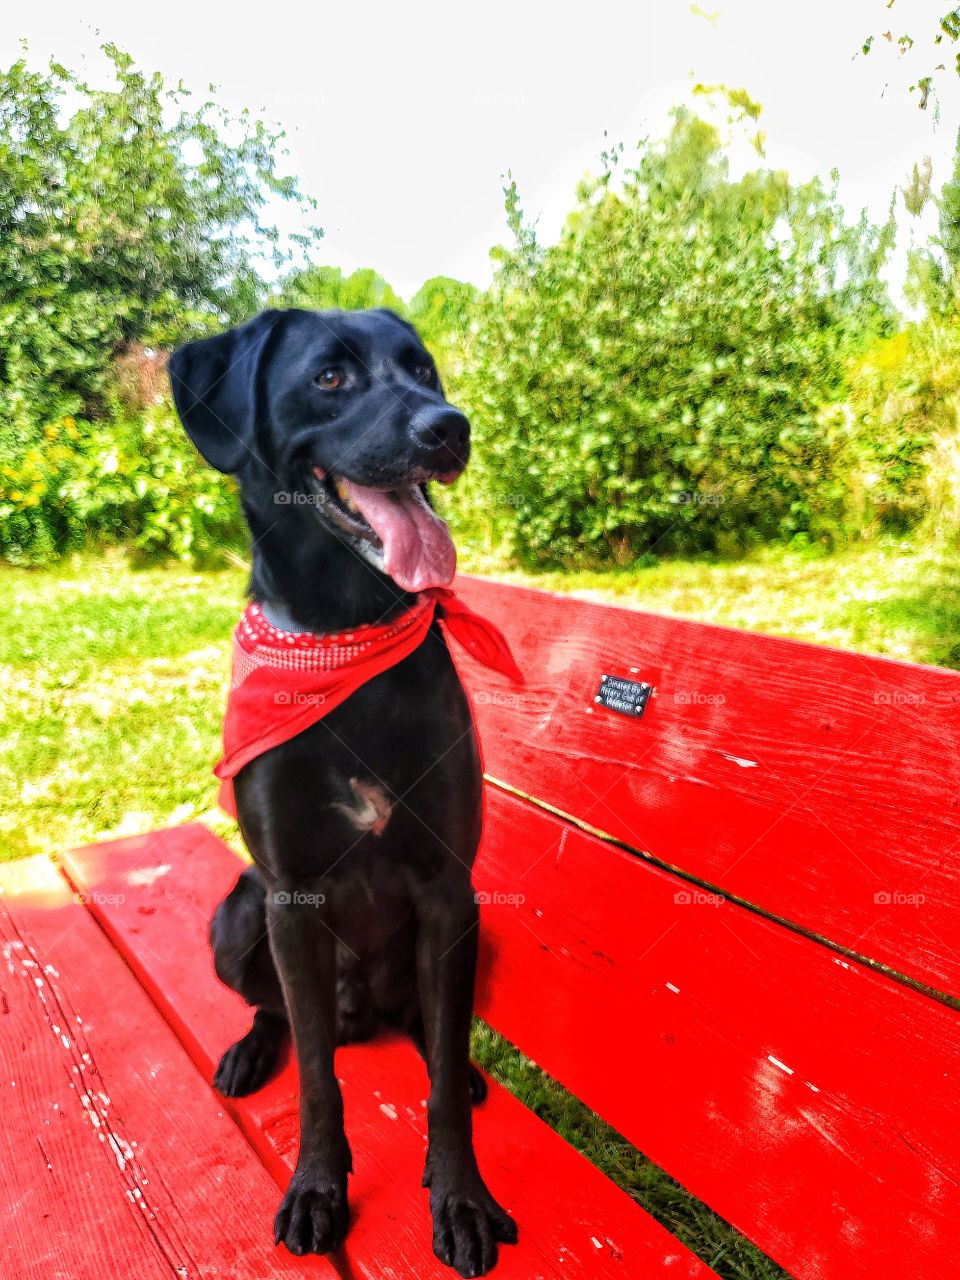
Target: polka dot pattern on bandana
x=259, y=644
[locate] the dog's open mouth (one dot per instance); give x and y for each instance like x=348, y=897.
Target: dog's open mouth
x=395, y=529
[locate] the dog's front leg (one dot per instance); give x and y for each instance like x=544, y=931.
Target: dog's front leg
x=314, y=1215
x=467, y=1221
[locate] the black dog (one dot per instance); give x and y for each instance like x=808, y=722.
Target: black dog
x=333, y=423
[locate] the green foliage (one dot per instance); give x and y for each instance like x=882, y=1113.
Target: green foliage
x=328, y=289
x=934, y=275
x=134, y=480
x=663, y=378
x=947, y=30
x=905, y=398
x=132, y=216
x=441, y=310
x=700, y=364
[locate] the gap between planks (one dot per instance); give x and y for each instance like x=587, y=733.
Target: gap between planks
x=941, y=997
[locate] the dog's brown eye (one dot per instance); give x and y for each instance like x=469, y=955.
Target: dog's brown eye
x=423, y=372
x=330, y=379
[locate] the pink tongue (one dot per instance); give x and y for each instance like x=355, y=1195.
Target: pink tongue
x=417, y=549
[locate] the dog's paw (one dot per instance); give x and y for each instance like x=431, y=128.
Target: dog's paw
x=468, y=1224
x=248, y=1065
x=314, y=1215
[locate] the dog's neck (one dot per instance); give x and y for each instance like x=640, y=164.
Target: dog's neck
x=281, y=619
x=306, y=579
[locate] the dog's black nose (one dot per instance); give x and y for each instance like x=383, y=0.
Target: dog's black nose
x=442, y=429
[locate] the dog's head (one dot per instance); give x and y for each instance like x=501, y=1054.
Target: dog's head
x=341, y=412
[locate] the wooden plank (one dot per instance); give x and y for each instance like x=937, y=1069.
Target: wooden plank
x=115, y=1159
x=820, y=785
x=809, y=1100
x=155, y=895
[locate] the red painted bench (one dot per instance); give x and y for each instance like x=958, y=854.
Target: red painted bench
x=728, y=924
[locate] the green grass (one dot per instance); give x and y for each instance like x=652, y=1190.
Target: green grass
x=111, y=694
x=892, y=599
x=692, y=1222
x=112, y=679
x=112, y=683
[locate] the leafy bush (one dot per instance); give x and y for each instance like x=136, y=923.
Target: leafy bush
x=905, y=400
x=130, y=216
x=133, y=479
x=701, y=363
x=662, y=378
x=328, y=289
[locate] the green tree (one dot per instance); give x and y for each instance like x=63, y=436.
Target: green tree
x=441, y=310
x=135, y=216
x=328, y=289
x=934, y=269
x=662, y=378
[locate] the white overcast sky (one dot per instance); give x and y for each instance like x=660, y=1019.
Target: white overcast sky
x=401, y=118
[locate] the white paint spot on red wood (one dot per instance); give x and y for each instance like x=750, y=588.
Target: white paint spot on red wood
x=781, y=1065
x=740, y=760
x=671, y=987
x=147, y=875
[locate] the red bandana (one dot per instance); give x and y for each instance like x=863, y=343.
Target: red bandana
x=282, y=682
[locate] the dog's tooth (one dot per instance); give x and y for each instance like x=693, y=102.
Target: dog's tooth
x=343, y=493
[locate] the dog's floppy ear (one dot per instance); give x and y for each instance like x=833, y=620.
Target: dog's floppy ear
x=215, y=385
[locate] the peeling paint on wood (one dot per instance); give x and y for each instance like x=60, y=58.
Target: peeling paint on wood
x=104, y=1172
x=556, y=1195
